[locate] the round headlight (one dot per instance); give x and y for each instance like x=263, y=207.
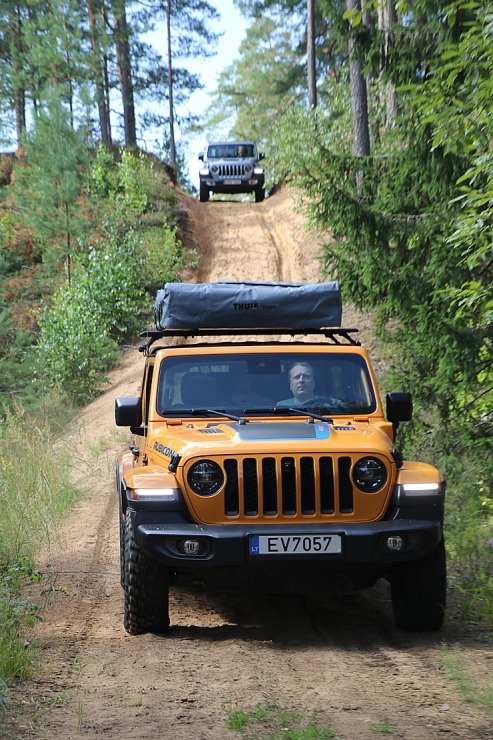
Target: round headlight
x=214, y=169
x=248, y=169
x=205, y=477
x=369, y=474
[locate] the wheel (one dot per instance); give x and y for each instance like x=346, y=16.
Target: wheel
x=204, y=193
x=419, y=591
x=146, y=588
x=122, y=550
x=259, y=195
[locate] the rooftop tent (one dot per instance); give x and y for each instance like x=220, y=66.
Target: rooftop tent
x=238, y=305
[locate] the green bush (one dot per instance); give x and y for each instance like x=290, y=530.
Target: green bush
x=80, y=332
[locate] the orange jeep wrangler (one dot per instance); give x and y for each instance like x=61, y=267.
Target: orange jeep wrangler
x=262, y=459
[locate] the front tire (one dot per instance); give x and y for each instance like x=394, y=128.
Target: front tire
x=259, y=195
x=204, y=193
x=146, y=586
x=419, y=592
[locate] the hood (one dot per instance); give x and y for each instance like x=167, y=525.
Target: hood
x=202, y=439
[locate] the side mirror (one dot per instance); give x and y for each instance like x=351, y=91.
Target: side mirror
x=261, y=155
x=128, y=411
x=399, y=407
x=201, y=157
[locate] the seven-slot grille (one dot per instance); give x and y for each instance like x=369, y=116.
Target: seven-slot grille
x=268, y=486
x=231, y=170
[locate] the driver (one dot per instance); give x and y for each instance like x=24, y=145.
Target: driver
x=301, y=383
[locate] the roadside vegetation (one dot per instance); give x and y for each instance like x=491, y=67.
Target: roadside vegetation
x=86, y=237
x=393, y=157
x=273, y=722
x=34, y=494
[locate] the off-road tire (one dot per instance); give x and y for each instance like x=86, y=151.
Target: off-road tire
x=146, y=588
x=419, y=591
x=122, y=550
x=259, y=195
x=204, y=193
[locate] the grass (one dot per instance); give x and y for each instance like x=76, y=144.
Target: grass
x=469, y=689
x=275, y=722
x=382, y=728
x=35, y=491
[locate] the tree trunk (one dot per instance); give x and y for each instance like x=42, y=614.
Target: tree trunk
x=311, y=57
x=125, y=71
x=19, y=92
x=103, y=107
x=388, y=16
x=170, y=90
x=359, y=100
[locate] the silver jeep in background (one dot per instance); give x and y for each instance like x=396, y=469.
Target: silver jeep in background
x=232, y=167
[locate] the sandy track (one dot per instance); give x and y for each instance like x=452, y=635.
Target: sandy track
x=341, y=657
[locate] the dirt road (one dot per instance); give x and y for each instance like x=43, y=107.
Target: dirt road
x=341, y=658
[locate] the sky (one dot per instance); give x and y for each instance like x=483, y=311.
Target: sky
x=233, y=25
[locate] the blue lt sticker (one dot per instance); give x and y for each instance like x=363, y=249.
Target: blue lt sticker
x=254, y=545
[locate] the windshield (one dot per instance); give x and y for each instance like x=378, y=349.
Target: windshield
x=262, y=383
x=230, y=151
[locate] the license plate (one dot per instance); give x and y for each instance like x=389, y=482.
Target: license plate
x=295, y=544
x=232, y=182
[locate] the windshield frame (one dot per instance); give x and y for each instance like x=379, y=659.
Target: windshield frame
x=268, y=375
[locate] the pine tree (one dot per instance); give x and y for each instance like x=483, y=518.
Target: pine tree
x=48, y=182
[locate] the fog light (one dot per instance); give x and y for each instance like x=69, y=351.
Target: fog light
x=191, y=547
x=395, y=544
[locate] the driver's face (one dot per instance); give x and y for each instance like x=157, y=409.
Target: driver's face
x=302, y=382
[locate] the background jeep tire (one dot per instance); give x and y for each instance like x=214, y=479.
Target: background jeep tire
x=204, y=193
x=259, y=195
x=146, y=588
x=419, y=591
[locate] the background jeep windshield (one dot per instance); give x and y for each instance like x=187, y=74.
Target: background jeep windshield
x=230, y=151
x=244, y=381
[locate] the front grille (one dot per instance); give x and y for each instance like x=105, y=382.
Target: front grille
x=288, y=486
x=231, y=170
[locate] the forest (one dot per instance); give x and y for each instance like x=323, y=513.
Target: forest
x=379, y=112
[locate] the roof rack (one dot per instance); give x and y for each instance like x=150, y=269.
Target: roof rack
x=334, y=334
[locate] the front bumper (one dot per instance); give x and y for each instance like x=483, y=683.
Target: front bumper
x=227, y=185
x=228, y=545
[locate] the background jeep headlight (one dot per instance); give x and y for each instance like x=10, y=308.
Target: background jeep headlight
x=248, y=169
x=214, y=169
x=369, y=474
x=205, y=477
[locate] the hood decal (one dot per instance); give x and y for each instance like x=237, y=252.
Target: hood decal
x=256, y=431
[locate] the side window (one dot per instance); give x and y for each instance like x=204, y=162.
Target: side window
x=146, y=396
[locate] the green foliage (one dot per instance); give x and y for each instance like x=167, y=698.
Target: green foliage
x=456, y=670
x=103, y=179
x=456, y=103
x=129, y=187
x=16, y=656
x=277, y=722
x=163, y=258
x=34, y=493
x=33, y=490
x=470, y=536
x=49, y=180
x=81, y=330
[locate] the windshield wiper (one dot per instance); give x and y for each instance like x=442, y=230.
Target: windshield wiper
x=304, y=412
x=203, y=412
x=295, y=410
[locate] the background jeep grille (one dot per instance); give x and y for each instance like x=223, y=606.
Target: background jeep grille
x=268, y=486
x=231, y=170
